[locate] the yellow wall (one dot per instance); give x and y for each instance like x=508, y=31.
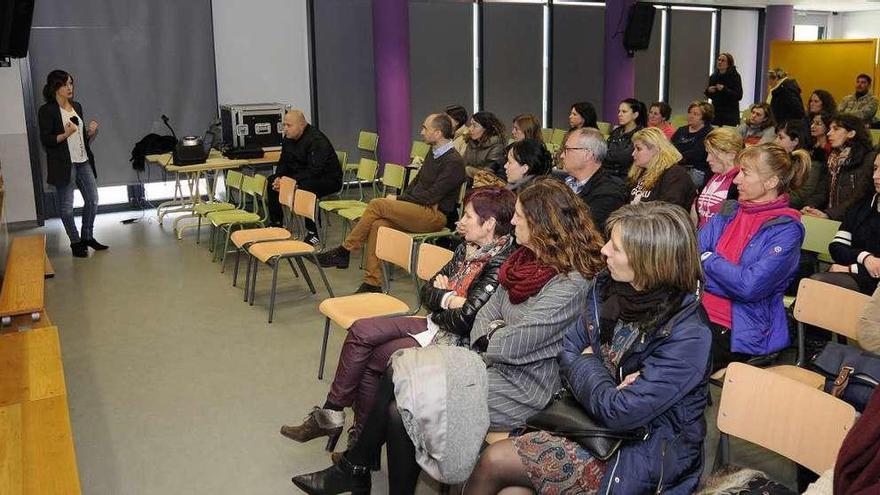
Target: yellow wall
x=829, y=64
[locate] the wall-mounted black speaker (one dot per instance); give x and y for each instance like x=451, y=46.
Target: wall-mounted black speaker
x=15, y=27
x=638, y=27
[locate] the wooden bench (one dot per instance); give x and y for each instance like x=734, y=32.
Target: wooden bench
x=36, y=441
x=23, y=283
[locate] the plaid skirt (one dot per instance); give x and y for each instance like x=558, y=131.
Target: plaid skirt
x=558, y=466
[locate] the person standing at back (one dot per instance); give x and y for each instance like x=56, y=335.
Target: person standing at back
x=71, y=164
x=784, y=96
x=725, y=90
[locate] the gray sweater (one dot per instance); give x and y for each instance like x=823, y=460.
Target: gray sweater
x=521, y=357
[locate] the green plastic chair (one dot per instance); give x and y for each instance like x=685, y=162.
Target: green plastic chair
x=366, y=173
x=392, y=178
x=419, y=150
x=547, y=134
x=412, y=176
x=368, y=143
x=233, y=181
x=678, y=120
x=558, y=138
x=875, y=136
x=604, y=128
x=819, y=232
x=253, y=187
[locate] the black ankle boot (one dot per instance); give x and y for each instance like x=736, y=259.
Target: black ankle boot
x=97, y=246
x=80, y=250
x=339, y=478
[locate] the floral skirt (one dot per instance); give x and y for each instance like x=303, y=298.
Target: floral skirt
x=556, y=465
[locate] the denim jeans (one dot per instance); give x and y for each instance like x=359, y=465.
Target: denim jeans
x=81, y=177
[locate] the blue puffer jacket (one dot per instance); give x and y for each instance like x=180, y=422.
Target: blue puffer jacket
x=757, y=284
x=669, y=397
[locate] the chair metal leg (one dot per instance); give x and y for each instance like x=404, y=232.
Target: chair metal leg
x=324, y=348
x=254, y=281
x=235, y=270
x=295, y=273
x=306, y=276
x=211, y=240
x=247, y=279
x=722, y=456
x=272, y=294
x=801, y=357
x=323, y=276
x=199, y=231
x=225, y=249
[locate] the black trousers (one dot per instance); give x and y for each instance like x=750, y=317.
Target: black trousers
x=721, y=353
x=320, y=187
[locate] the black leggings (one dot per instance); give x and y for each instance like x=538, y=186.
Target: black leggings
x=385, y=426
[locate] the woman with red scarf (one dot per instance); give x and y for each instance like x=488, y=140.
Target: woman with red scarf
x=751, y=250
x=453, y=295
x=518, y=334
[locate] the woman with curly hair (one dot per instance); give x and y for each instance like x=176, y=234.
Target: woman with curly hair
x=435, y=404
x=485, y=146
x=656, y=174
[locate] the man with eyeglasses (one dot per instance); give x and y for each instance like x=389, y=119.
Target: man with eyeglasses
x=582, y=156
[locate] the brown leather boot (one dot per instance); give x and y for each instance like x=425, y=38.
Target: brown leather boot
x=319, y=423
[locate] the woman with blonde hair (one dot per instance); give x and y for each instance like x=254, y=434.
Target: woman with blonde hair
x=638, y=357
x=507, y=372
x=751, y=249
x=656, y=174
x=722, y=146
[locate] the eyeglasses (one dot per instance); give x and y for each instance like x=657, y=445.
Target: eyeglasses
x=570, y=148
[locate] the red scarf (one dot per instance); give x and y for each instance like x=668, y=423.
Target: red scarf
x=523, y=275
x=733, y=241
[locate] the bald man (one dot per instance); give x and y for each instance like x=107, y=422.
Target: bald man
x=308, y=157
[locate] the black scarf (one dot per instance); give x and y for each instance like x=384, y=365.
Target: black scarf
x=648, y=309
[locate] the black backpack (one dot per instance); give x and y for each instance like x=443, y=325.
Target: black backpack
x=150, y=144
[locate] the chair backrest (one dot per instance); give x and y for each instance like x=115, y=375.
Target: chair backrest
x=393, y=176
x=342, y=156
x=367, y=170
x=255, y=186
x=678, y=120
x=431, y=259
x=547, y=134
x=412, y=175
x=368, y=141
x=234, y=179
x=395, y=247
x=875, y=136
x=818, y=233
x=419, y=149
x=286, y=192
x=604, y=127
x=830, y=307
x=784, y=415
x=304, y=204
x=558, y=137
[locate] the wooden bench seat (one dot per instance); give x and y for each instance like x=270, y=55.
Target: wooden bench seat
x=31, y=366
x=23, y=282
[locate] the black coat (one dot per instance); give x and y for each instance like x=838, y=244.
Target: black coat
x=57, y=154
x=692, y=147
x=786, y=103
x=312, y=161
x=603, y=194
x=726, y=101
x=459, y=321
x=859, y=233
x=853, y=184
x=619, y=158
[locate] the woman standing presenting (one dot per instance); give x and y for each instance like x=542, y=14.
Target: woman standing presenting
x=66, y=137
x=725, y=90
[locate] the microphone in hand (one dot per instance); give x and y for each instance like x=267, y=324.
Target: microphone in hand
x=75, y=120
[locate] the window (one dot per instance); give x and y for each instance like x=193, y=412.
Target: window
x=808, y=32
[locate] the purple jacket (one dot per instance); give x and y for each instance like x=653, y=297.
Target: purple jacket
x=755, y=285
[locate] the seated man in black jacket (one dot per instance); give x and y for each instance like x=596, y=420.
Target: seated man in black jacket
x=582, y=156
x=308, y=157
x=423, y=206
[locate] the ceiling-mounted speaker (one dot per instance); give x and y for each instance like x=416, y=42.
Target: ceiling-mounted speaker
x=638, y=27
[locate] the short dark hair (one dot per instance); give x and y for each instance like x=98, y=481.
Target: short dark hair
x=665, y=109
x=796, y=129
x=54, y=80
x=638, y=107
x=443, y=123
x=587, y=112
x=864, y=76
x=533, y=153
x=493, y=202
x=458, y=113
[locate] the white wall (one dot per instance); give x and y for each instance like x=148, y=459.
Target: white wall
x=854, y=25
x=739, y=37
x=262, y=52
x=14, y=156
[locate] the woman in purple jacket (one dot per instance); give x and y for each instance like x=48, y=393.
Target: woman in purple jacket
x=751, y=250
x=638, y=357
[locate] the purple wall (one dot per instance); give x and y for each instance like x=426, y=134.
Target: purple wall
x=391, y=60
x=779, y=24
x=619, y=69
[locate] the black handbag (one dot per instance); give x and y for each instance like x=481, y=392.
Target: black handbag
x=565, y=417
x=851, y=374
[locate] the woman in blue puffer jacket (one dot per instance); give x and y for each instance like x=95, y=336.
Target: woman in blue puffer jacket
x=751, y=250
x=638, y=357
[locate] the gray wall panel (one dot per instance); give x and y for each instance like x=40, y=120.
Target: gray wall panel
x=131, y=62
x=440, y=58
x=512, y=60
x=689, y=45
x=345, y=77
x=578, y=58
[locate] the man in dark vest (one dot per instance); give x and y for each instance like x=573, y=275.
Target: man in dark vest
x=308, y=157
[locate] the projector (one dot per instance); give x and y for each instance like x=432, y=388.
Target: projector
x=189, y=151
